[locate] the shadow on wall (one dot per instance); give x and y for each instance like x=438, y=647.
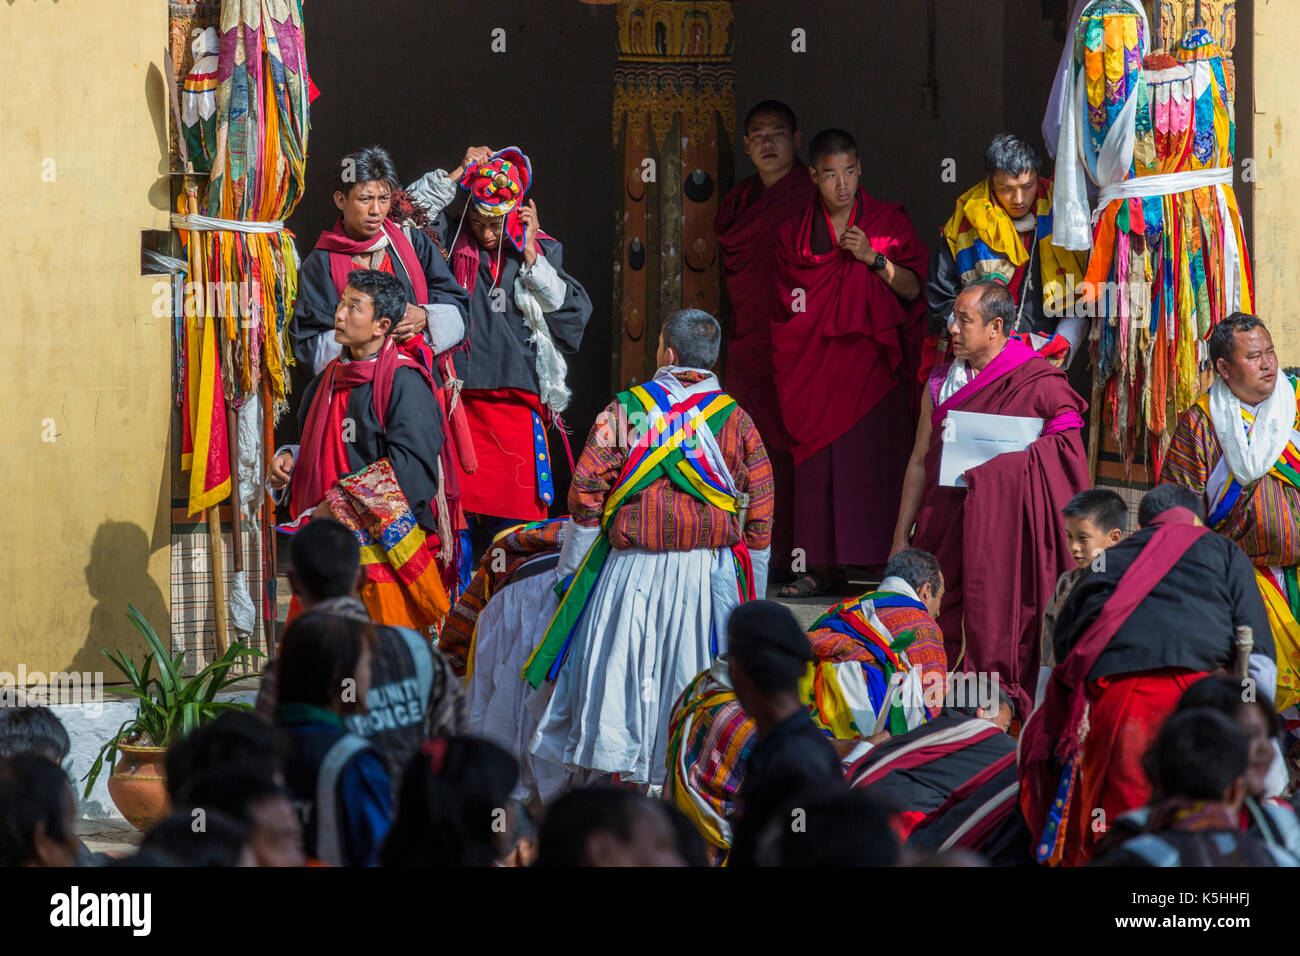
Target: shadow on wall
x=118, y=575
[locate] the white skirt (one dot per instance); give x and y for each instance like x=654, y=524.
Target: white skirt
x=503, y=707
x=647, y=632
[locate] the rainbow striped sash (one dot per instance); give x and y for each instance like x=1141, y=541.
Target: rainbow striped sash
x=857, y=698
x=984, y=242
x=664, y=448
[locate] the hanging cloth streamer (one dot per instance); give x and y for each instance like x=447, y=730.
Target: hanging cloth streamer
x=1076, y=161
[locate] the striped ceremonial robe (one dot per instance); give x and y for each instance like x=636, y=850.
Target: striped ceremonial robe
x=952, y=784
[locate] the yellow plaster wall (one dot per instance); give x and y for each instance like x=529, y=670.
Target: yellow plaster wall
x=1275, y=251
x=84, y=369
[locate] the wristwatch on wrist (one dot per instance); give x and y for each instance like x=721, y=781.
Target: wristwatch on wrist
x=879, y=263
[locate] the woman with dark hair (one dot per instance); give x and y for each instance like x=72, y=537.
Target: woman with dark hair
x=454, y=805
x=1264, y=813
x=335, y=778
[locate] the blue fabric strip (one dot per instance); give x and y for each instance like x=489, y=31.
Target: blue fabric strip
x=1230, y=495
x=542, y=455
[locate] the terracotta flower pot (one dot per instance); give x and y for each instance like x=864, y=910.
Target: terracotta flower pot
x=138, y=785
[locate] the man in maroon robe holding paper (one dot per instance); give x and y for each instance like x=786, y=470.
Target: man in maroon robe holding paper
x=846, y=347
x=749, y=221
x=999, y=539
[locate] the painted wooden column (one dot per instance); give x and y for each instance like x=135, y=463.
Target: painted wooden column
x=673, y=122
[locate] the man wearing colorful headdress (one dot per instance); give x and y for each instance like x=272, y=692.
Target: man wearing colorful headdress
x=1002, y=229
x=846, y=350
x=997, y=535
x=671, y=506
x=526, y=314
x=1238, y=447
x=749, y=221
x=372, y=432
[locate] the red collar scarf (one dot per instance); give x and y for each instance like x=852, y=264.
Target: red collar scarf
x=323, y=456
x=465, y=260
x=342, y=248
x=1056, y=725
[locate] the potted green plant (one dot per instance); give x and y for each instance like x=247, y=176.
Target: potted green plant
x=170, y=706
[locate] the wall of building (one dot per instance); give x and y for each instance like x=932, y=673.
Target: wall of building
x=1275, y=112
x=85, y=378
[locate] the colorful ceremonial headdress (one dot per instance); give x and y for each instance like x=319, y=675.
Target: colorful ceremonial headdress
x=498, y=186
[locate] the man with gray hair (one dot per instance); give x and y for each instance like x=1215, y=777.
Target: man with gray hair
x=671, y=516
x=1003, y=228
x=1238, y=449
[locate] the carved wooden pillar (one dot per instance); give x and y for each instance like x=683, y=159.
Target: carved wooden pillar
x=674, y=118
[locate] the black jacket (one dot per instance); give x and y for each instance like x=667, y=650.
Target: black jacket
x=411, y=442
x=944, y=285
x=792, y=758
x=499, y=354
x=313, y=310
x=1188, y=620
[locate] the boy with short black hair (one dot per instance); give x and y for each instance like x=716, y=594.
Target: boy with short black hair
x=1095, y=519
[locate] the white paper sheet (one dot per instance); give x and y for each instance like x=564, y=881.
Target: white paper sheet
x=972, y=438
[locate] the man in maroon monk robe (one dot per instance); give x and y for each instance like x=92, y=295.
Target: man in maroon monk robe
x=846, y=347
x=998, y=539
x=749, y=220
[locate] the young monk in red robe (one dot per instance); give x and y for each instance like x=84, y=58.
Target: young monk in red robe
x=998, y=539
x=749, y=221
x=846, y=348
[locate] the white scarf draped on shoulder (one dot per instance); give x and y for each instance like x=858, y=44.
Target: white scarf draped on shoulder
x=1252, y=453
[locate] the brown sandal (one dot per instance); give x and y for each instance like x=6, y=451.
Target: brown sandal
x=808, y=585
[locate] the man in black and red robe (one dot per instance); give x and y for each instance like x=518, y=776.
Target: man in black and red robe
x=525, y=314
x=434, y=313
x=846, y=349
x=749, y=221
x=374, y=403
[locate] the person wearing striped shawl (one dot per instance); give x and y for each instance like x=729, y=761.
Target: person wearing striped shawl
x=866, y=650
x=671, y=505
x=952, y=784
x=881, y=666
x=1238, y=448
